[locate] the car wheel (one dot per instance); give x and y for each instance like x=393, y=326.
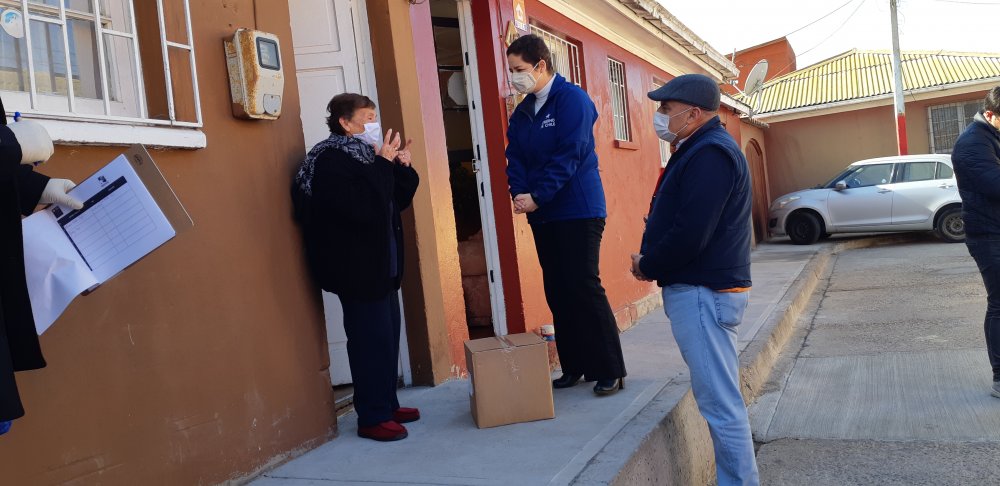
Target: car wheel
x=951, y=227
x=803, y=228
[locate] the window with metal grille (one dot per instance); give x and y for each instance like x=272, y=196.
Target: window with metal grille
x=82, y=59
x=565, y=55
x=619, y=100
x=947, y=123
x=664, y=145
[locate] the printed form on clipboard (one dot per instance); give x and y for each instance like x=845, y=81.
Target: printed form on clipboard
x=68, y=251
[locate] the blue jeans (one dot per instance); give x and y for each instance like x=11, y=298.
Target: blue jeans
x=704, y=325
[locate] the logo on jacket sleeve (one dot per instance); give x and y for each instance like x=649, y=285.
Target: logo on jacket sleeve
x=548, y=121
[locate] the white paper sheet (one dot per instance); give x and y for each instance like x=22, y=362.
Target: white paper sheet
x=55, y=272
x=69, y=251
x=120, y=222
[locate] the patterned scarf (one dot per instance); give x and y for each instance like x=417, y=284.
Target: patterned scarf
x=358, y=149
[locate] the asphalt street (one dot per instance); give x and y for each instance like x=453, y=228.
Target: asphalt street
x=887, y=381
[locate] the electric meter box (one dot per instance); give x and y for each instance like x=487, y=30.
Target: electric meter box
x=255, y=78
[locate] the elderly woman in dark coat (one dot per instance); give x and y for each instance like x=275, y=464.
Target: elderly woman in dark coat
x=349, y=193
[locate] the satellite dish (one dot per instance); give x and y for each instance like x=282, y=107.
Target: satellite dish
x=754, y=82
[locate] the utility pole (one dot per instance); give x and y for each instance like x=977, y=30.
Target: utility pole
x=897, y=71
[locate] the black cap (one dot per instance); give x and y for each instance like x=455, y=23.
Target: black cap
x=691, y=89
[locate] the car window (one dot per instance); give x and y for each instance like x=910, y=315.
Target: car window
x=945, y=172
x=869, y=175
x=916, y=171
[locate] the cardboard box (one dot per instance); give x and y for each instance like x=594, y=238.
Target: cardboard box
x=510, y=380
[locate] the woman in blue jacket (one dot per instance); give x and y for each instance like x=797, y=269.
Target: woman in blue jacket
x=553, y=177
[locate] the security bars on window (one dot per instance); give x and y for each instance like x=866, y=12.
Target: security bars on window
x=948, y=121
x=619, y=100
x=69, y=91
x=565, y=55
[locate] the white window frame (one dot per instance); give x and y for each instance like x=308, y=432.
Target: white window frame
x=664, y=145
x=961, y=120
x=565, y=54
x=619, y=100
x=90, y=121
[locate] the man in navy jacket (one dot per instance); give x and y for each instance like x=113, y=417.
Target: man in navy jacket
x=697, y=247
x=976, y=159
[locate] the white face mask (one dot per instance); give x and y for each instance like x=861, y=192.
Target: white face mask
x=661, y=123
x=372, y=134
x=524, y=82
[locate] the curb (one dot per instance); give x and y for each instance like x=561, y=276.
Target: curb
x=679, y=449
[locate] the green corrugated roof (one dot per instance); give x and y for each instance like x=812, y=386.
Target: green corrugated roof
x=856, y=75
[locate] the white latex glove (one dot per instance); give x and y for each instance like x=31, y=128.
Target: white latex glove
x=36, y=144
x=56, y=193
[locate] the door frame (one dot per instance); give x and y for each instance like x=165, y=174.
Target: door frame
x=481, y=167
x=363, y=45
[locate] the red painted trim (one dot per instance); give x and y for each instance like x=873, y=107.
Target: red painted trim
x=901, y=133
x=490, y=21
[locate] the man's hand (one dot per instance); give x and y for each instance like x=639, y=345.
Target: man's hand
x=55, y=192
x=35, y=142
x=524, y=203
x=636, y=272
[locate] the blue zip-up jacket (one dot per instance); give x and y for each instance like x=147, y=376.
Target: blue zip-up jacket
x=698, y=232
x=550, y=155
x=976, y=159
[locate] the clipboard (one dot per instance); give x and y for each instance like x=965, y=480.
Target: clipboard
x=130, y=211
x=164, y=195
x=166, y=198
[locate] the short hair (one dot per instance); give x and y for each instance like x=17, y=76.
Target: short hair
x=343, y=106
x=532, y=49
x=992, y=102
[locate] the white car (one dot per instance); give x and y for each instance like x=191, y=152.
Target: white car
x=901, y=193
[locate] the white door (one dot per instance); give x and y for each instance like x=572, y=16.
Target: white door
x=867, y=201
x=481, y=167
x=333, y=56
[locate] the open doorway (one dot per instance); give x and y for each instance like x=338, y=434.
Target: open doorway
x=471, y=192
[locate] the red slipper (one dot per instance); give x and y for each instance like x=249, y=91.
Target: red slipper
x=384, y=432
x=405, y=415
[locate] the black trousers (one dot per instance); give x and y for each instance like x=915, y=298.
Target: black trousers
x=986, y=251
x=372, y=328
x=586, y=331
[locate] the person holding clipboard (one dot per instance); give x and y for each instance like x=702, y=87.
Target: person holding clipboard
x=23, y=145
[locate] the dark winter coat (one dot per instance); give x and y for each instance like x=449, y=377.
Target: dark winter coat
x=551, y=155
x=976, y=160
x=698, y=232
x=351, y=212
x=20, y=190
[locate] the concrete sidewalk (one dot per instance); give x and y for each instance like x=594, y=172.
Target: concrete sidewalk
x=592, y=440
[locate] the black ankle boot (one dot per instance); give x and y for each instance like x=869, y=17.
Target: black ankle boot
x=609, y=387
x=566, y=380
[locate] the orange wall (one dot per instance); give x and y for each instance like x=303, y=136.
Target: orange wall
x=808, y=151
x=628, y=173
x=207, y=360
